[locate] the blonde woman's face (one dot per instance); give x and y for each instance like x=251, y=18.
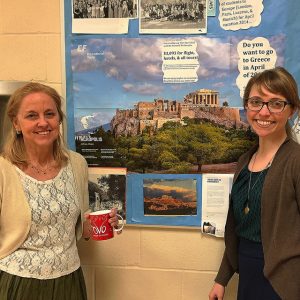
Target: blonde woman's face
x=38, y=120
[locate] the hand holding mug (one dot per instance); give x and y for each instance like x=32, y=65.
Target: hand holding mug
x=114, y=220
x=103, y=224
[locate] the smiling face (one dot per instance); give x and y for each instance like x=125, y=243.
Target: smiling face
x=264, y=123
x=38, y=120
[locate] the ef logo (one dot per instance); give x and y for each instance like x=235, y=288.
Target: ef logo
x=81, y=48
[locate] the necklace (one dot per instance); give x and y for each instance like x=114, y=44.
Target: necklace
x=247, y=208
x=40, y=170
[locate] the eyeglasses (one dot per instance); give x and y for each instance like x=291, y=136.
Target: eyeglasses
x=274, y=105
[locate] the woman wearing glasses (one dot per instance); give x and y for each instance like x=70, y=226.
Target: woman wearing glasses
x=262, y=236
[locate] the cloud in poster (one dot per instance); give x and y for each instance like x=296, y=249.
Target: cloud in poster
x=139, y=59
x=133, y=66
x=123, y=59
x=278, y=42
x=142, y=89
x=214, y=54
x=83, y=63
x=84, y=119
x=218, y=85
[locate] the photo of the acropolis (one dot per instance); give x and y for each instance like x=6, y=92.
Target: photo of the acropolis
x=200, y=104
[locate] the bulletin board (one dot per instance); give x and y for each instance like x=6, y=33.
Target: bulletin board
x=160, y=95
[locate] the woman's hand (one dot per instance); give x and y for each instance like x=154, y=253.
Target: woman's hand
x=114, y=222
x=217, y=292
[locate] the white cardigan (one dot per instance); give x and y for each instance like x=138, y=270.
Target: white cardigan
x=15, y=214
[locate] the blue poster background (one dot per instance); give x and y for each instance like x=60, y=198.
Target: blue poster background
x=279, y=24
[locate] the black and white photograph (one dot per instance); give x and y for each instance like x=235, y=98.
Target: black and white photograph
x=173, y=16
x=107, y=189
x=96, y=9
x=209, y=228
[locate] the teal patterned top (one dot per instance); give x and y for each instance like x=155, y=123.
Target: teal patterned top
x=248, y=225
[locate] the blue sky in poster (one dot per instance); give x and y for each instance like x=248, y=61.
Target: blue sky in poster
x=110, y=73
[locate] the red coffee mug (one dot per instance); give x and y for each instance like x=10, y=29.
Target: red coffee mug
x=101, y=228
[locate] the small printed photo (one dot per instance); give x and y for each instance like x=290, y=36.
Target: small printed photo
x=97, y=9
x=170, y=197
x=209, y=228
x=107, y=189
x=93, y=137
x=173, y=16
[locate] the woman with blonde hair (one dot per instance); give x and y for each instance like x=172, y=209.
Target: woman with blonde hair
x=43, y=198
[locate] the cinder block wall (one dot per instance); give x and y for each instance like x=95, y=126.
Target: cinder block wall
x=143, y=263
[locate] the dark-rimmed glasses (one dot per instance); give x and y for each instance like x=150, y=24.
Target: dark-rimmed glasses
x=274, y=105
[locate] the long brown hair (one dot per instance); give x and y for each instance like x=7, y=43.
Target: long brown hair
x=14, y=148
x=277, y=81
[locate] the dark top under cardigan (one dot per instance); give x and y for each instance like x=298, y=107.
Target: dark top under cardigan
x=248, y=225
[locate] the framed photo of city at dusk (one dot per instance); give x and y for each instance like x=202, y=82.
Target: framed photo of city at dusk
x=164, y=199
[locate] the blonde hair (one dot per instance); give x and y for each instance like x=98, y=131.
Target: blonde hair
x=14, y=148
x=277, y=81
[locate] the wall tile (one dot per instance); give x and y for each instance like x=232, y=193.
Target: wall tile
x=180, y=249
x=137, y=284
x=197, y=285
x=1, y=18
x=23, y=57
x=54, y=58
x=89, y=276
x=122, y=250
x=32, y=16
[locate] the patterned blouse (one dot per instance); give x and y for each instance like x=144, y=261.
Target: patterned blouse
x=50, y=249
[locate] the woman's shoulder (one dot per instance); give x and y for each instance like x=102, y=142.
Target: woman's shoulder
x=288, y=156
x=4, y=162
x=294, y=145
x=7, y=169
x=76, y=158
x=290, y=148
